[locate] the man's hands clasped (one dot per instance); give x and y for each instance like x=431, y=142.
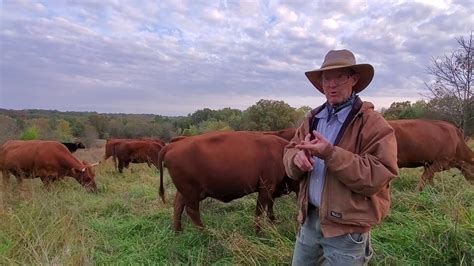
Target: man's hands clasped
x=319, y=147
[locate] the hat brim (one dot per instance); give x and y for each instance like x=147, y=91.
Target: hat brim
x=365, y=71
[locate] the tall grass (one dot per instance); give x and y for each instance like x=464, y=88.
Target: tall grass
x=126, y=223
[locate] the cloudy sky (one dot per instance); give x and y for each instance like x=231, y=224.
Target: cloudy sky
x=175, y=57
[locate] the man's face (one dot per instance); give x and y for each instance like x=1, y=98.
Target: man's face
x=337, y=84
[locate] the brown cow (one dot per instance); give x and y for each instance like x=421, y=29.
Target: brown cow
x=224, y=165
x=137, y=151
x=48, y=160
x=435, y=145
x=287, y=133
x=177, y=138
x=111, y=143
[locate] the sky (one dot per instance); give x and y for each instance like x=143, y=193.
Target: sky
x=175, y=57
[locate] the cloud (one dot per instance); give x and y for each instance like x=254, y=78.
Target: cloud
x=174, y=57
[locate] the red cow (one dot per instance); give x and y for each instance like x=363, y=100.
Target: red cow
x=137, y=151
x=177, y=138
x=48, y=160
x=111, y=143
x=287, y=133
x=224, y=165
x=435, y=145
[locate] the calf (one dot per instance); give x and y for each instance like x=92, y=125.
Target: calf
x=73, y=146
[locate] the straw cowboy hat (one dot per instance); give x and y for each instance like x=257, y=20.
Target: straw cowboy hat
x=341, y=59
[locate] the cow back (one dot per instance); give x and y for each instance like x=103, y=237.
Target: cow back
x=287, y=133
x=37, y=154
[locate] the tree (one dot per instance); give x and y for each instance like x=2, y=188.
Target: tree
x=30, y=133
x=90, y=135
x=43, y=127
x=269, y=115
x=405, y=110
x=100, y=124
x=452, y=85
x=202, y=115
x=213, y=125
x=77, y=126
x=8, y=128
x=63, y=130
x=191, y=131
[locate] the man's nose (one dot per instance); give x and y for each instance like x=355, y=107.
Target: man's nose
x=332, y=82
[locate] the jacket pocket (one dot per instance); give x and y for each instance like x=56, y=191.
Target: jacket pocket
x=349, y=208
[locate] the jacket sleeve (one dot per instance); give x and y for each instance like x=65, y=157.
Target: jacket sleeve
x=376, y=164
x=290, y=151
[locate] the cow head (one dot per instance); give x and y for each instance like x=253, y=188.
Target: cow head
x=86, y=176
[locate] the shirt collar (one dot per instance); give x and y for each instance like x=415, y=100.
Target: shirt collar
x=322, y=114
x=341, y=115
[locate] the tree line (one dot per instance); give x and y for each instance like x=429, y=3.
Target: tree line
x=89, y=126
x=262, y=116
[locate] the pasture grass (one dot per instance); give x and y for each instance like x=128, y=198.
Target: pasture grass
x=126, y=223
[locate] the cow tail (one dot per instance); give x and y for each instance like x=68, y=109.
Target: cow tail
x=161, y=157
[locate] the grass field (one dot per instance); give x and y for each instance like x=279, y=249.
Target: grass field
x=126, y=223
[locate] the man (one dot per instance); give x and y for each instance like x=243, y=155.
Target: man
x=344, y=154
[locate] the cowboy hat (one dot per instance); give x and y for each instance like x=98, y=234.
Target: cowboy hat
x=342, y=59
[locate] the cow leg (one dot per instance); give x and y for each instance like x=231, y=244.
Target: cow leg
x=271, y=215
x=427, y=175
x=4, y=190
x=178, y=211
x=193, y=212
x=126, y=164
x=6, y=180
x=24, y=188
x=192, y=209
x=263, y=201
x=430, y=170
x=120, y=166
x=47, y=182
x=2, y=205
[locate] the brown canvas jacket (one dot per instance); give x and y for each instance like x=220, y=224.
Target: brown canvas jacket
x=356, y=192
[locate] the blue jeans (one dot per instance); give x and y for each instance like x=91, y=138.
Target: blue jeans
x=312, y=248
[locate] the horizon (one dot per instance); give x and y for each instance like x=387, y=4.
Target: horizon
x=378, y=109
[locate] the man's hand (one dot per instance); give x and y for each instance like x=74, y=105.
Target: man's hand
x=303, y=159
x=319, y=146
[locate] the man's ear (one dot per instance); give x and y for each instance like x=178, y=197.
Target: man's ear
x=355, y=78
